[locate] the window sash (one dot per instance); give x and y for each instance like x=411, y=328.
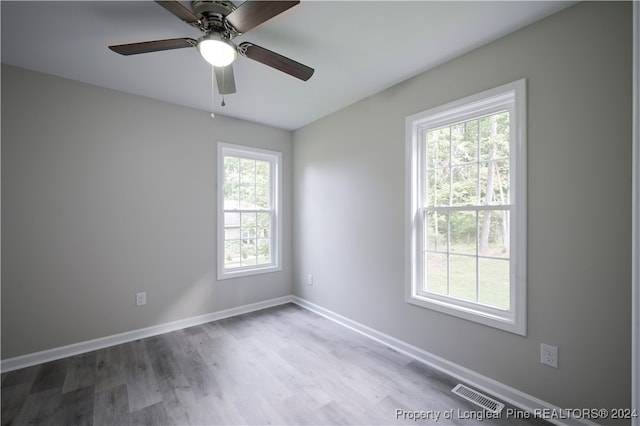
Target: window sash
x=422, y=285
x=257, y=237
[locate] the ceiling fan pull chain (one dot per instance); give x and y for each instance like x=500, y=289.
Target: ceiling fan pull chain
x=224, y=74
x=213, y=89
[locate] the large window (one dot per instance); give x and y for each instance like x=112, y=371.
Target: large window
x=248, y=211
x=466, y=220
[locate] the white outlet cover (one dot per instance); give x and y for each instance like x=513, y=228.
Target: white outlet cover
x=141, y=299
x=549, y=355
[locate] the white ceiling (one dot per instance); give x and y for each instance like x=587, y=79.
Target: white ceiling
x=356, y=47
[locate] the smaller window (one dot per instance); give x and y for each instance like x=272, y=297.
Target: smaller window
x=249, y=225
x=466, y=210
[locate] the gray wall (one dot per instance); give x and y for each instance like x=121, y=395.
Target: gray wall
x=349, y=208
x=106, y=194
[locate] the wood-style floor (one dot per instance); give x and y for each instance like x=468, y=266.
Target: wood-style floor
x=283, y=365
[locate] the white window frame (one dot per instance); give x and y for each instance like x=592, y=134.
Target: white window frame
x=275, y=159
x=511, y=96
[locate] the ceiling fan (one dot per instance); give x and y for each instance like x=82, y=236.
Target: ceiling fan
x=221, y=21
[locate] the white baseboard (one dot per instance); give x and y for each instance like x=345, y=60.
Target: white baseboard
x=503, y=392
x=35, y=358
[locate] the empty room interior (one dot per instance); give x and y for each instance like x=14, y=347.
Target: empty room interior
x=407, y=196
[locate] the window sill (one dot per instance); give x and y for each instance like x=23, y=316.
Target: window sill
x=248, y=271
x=490, y=317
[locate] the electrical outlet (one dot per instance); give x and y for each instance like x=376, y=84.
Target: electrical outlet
x=310, y=279
x=141, y=298
x=549, y=355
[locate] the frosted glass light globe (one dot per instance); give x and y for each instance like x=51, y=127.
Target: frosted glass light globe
x=217, y=51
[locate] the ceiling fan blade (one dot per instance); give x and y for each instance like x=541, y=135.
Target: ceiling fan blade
x=179, y=10
x=275, y=60
x=153, y=46
x=250, y=14
x=226, y=81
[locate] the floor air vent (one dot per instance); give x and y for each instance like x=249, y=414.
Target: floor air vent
x=478, y=398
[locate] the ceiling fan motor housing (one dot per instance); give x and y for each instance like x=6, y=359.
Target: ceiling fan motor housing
x=212, y=14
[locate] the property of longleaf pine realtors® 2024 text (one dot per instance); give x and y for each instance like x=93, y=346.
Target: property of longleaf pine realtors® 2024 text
x=512, y=413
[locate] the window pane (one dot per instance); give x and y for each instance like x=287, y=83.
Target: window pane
x=463, y=232
x=493, y=282
x=438, y=187
x=263, y=225
x=436, y=231
x=264, y=251
x=464, y=185
x=493, y=228
x=232, y=253
x=263, y=184
x=263, y=193
x=249, y=252
x=494, y=182
x=249, y=224
x=436, y=273
x=494, y=136
x=503, y=139
x=231, y=182
x=247, y=183
x=438, y=148
x=231, y=226
x=502, y=187
x=247, y=196
x=262, y=171
x=462, y=277
x=464, y=142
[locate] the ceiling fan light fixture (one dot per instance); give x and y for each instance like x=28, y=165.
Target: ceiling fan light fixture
x=216, y=50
